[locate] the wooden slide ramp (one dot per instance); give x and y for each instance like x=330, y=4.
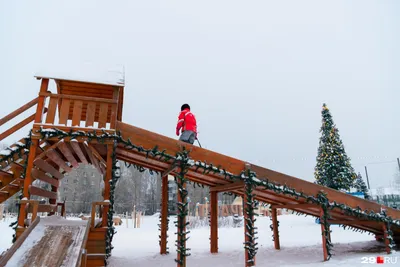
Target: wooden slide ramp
x=50, y=241
x=217, y=182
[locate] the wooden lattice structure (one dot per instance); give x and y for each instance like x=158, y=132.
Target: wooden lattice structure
x=81, y=123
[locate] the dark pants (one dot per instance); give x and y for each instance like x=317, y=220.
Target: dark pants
x=188, y=137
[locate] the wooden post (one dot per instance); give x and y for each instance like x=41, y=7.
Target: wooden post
x=247, y=234
x=27, y=182
x=385, y=237
x=63, y=212
x=181, y=224
x=93, y=215
x=164, y=215
x=41, y=103
x=323, y=236
x=35, y=206
x=108, y=178
x=275, y=228
x=214, y=222
x=53, y=201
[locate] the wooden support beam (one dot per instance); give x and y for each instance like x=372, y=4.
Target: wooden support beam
x=44, y=208
x=227, y=187
x=45, y=166
x=57, y=159
x=275, y=228
x=161, y=166
x=164, y=215
x=40, y=175
x=214, y=222
x=248, y=222
x=41, y=101
x=63, y=147
x=93, y=159
x=108, y=177
x=181, y=231
x=169, y=170
x=33, y=190
x=97, y=155
x=5, y=178
x=385, y=238
x=325, y=251
x=27, y=181
x=77, y=148
x=352, y=222
x=296, y=206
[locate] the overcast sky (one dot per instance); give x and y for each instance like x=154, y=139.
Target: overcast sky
x=255, y=73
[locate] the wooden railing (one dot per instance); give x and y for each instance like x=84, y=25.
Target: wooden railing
x=101, y=206
x=15, y=113
x=80, y=111
x=21, y=124
x=32, y=206
x=82, y=261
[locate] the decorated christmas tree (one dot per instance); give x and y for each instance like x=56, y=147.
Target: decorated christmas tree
x=360, y=186
x=333, y=167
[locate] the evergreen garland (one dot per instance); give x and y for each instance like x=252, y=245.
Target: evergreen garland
x=181, y=223
x=110, y=226
x=249, y=207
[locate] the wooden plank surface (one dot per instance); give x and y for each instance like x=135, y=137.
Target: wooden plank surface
x=91, y=108
x=78, y=150
x=64, y=111
x=103, y=115
x=40, y=175
x=80, y=98
x=57, y=159
x=33, y=190
x=51, y=114
x=63, y=147
x=76, y=115
x=45, y=166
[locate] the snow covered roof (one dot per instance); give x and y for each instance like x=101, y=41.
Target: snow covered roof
x=86, y=73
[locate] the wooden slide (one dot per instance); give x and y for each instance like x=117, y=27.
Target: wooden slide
x=50, y=241
x=217, y=183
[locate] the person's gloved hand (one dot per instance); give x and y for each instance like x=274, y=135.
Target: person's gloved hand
x=177, y=132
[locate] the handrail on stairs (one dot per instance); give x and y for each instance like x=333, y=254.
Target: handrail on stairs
x=15, y=113
x=18, y=111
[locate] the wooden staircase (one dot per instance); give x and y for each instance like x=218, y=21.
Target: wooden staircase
x=11, y=171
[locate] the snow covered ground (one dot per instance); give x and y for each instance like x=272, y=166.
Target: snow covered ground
x=300, y=239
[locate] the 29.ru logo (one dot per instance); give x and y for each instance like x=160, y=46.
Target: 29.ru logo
x=379, y=260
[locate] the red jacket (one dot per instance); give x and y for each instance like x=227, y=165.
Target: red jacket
x=186, y=121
